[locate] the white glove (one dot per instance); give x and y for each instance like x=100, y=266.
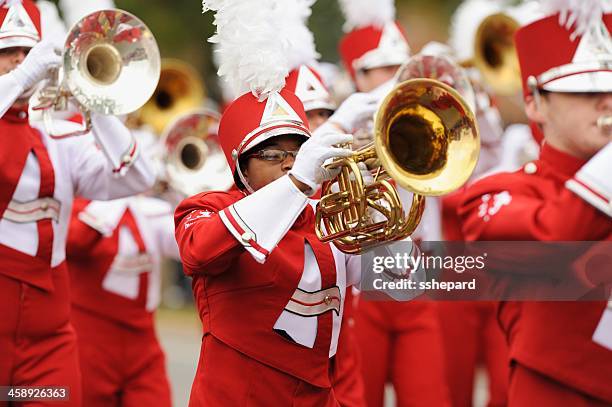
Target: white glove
x=357, y=107
x=593, y=182
x=366, y=174
x=115, y=140
x=308, y=166
x=35, y=67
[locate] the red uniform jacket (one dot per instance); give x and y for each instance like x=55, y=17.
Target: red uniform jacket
x=240, y=299
x=553, y=338
x=115, y=273
x=90, y=256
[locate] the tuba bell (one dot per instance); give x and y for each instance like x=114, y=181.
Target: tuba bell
x=495, y=54
x=179, y=91
x=426, y=140
x=111, y=66
x=192, y=157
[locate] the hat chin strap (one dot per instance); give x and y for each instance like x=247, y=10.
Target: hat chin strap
x=243, y=179
x=532, y=83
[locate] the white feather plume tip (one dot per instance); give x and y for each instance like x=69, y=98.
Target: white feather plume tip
x=300, y=39
x=9, y=3
x=362, y=13
x=255, y=40
x=580, y=14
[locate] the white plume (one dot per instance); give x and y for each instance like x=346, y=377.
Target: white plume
x=580, y=14
x=74, y=10
x=526, y=12
x=362, y=13
x=9, y=3
x=53, y=26
x=464, y=24
x=254, y=41
x=301, y=41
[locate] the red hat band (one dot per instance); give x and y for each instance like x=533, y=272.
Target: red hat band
x=248, y=122
x=552, y=61
x=374, y=47
x=307, y=85
x=19, y=24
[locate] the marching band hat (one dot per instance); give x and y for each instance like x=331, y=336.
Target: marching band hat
x=19, y=24
x=308, y=85
x=374, y=39
x=248, y=122
x=556, y=59
x=374, y=47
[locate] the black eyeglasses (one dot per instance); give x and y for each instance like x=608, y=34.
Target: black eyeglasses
x=273, y=155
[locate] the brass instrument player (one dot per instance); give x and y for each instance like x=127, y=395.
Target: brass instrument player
x=40, y=177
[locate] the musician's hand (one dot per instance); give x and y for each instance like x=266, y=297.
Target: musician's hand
x=308, y=167
x=35, y=67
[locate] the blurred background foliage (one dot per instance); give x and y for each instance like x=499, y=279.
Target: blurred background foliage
x=181, y=29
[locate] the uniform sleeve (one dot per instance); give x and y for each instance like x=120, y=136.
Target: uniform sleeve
x=205, y=245
x=209, y=231
x=260, y=220
x=353, y=270
x=111, y=168
x=164, y=227
x=593, y=182
x=509, y=207
x=81, y=236
x=10, y=90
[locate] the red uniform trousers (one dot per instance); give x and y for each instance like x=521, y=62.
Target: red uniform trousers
x=529, y=388
x=37, y=342
x=347, y=380
x=226, y=377
x=400, y=342
x=470, y=332
x=471, y=335
x=121, y=365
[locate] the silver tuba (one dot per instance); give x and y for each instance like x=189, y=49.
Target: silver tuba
x=192, y=157
x=111, y=66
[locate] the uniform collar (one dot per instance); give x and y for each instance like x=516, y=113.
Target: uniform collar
x=17, y=115
x=563, y=163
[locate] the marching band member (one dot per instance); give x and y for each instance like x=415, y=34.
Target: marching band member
x=472, y=323
x=269, y=293
x=40, y=176
x=560, y=352
x=114, y=255
x=405, y=351
x=374, y=46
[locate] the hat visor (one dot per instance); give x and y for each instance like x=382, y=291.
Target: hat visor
x=595, y=81
x=319, y=104
x=279, y=129
x=18, y=41
x=379, y=58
